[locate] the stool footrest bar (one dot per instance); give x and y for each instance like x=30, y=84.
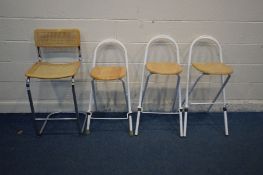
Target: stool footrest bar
x=165, y=113
x=41, y=119
x=97, y=118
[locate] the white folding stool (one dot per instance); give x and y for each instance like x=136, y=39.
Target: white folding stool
x=110, y=73
x=160, y=68
x=207, y=68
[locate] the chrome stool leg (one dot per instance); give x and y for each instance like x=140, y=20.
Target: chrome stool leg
x=81, y=128
x=40, y=131
x=75, y=102
x=31, y=105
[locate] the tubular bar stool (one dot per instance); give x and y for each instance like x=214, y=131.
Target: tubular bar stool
x=160, y=68
x=209, y=68
x=110, y=73
x=54, y=38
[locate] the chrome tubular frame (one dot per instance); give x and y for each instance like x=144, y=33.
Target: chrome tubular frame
x=40, y=131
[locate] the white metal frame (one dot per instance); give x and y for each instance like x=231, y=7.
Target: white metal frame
x=125, y=84
x=144, y=85
x=222, y=88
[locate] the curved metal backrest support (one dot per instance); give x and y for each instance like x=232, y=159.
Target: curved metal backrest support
x=204, y=37
x=161, y=37
x=108, y=42
x=189, y=64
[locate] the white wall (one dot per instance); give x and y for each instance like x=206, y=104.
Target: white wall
x=237, y=24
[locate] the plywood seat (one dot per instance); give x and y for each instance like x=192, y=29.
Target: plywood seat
x=46, y=70
x=164, y=68
x=213, y=68
x=108, y=72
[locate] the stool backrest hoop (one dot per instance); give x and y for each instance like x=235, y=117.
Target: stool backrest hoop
x=204, y=37
x=161, y=37
x=109, y=42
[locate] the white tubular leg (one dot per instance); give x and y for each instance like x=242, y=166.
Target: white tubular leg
x=180, y=106
x=181, y=122
x=225, y=108
x=88, y=123
x=140, y=103
x=89, y=111
x=185, y=123
x=128, y=103
x=138, y=121
x=226, y=123
x=130, y=125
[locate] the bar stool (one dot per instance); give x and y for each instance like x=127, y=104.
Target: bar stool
x=160, y=68
x=55, y=39
x=207, y=68
x=110, y=73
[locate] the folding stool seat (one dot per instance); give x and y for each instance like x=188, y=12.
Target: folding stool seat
x=164, y=68
x=160, y=68
x=213, y=68
x=110, y=73
x=207, y=68
x=43, y=69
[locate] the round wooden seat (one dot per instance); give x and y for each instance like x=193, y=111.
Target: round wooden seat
x=213, y=68
x=108, y=72
x=46, y=70
x=164, y=68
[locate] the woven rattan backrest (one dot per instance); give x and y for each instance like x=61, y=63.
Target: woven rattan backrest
x=57, y=38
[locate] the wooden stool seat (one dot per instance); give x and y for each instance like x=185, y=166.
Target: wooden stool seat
x=213, y=68
x=164, y=68
x=108, y=72
x=46, y=70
